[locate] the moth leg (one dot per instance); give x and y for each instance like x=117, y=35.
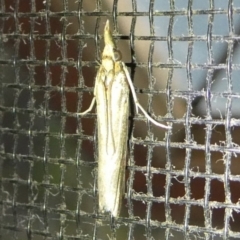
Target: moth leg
x=138, y=105
x=89, y=109
x=98, y=79
x=151, y=119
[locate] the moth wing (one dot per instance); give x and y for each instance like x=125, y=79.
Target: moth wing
x=102, y=108
x=111, y=169
x=120, y=114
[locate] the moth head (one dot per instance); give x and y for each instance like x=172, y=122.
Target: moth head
x=117, y=56
x=110, y=48
x=108, y=35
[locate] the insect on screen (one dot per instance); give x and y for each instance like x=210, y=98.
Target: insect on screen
x=183, y=58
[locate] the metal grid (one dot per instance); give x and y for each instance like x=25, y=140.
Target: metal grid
x=181, y=186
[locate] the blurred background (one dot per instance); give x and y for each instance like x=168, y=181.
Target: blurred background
x=184, y=61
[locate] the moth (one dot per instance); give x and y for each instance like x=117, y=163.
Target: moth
x=111, y=92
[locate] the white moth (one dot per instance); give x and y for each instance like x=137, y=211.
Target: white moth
x=111, y=93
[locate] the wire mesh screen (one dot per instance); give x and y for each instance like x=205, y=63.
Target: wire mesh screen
x=183, y=59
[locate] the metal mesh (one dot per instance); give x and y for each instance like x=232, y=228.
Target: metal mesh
x=183, y=57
